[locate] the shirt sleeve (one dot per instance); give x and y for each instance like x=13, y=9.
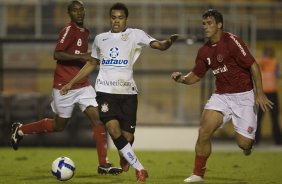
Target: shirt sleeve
x=95, y=53
x=200, y=67
x=66, y=38
x=240, y=52
x=143, y=39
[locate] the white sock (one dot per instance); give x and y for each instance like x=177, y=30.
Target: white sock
x=131, y=158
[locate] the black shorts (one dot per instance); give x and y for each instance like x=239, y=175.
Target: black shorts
x=121, y=107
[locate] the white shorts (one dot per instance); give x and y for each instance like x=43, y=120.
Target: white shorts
x=63, y=105
x=238, y=107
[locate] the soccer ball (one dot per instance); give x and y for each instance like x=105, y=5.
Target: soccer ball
x=63, y=168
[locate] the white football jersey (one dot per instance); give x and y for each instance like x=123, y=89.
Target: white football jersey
x=117, y=53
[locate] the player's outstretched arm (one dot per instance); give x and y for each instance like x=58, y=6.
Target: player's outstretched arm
x=64, y=56
x=188, y=79
x=261, y=99
x=85, y=71
x=164, y=44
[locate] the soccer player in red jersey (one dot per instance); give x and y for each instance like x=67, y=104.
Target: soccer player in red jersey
x=71, y=55
x=237, y=94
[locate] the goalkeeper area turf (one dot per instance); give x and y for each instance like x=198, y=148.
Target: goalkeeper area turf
x=33, y=166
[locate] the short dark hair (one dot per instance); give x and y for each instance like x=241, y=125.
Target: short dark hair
x=119, y=6
x=213, y=13
x=73, y=2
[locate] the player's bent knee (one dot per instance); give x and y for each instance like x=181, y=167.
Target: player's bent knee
x=244, y=142
x=246, y=145
x=204, y=134
x=128, y=136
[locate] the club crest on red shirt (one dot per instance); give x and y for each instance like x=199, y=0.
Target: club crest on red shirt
x=219, y=58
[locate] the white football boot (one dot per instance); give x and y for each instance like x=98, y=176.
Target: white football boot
x=194, y=178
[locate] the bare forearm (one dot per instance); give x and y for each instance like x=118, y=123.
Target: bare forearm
x=188, y=79
x=260, y=98
x=64, y=56
x=85, y=71
x=164, y=44
x=256, y=76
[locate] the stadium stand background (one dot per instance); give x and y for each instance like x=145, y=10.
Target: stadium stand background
x=28, y=34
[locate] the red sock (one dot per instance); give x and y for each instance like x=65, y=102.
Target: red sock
x=200, y=165
x=44, y=125
x=100, y=136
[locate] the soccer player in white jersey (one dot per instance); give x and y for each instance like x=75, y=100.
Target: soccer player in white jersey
x=116, y=51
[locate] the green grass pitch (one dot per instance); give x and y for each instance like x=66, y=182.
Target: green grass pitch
x=33, y=165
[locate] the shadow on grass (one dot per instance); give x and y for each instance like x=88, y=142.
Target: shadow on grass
x=223, y=180
x=79, y=179
x=208, y=180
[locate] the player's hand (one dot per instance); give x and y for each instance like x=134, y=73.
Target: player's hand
x=65, y=89
x=263, y=102
x=177, y=76
x=173, y=37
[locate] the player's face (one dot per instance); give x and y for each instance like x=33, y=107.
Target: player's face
x=118, y=21
x=211, y=28
x=77, y=13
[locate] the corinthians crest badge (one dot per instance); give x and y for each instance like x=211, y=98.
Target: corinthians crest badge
x=105, y=107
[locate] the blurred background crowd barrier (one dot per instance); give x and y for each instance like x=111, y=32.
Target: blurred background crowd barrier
x=28, y=33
